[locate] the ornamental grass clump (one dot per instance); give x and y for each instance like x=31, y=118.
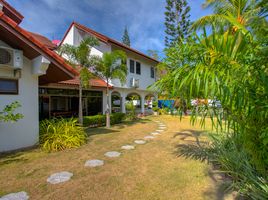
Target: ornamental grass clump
x=60, y=134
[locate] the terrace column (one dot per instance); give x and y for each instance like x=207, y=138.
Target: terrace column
x=123, y=103
x=142, y=104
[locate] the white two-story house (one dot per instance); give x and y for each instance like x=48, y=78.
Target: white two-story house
x=141, y=74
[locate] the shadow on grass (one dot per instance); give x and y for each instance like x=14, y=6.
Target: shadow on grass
x=113, y=129
x=11, y=158
x=193, y=148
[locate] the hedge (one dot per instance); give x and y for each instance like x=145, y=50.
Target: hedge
x=100, y=120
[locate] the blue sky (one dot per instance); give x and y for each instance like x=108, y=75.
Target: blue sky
x=144, y=18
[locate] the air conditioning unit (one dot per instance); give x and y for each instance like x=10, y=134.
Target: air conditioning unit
x=134, y=83
x=11, y=58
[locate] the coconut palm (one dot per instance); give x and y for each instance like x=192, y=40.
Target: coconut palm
x=234, y=14
x=112, y=66
x=79, y=57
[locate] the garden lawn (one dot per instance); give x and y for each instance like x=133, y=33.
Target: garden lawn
x=152, y=171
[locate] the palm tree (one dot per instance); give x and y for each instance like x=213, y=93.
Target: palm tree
x=79, y=57
x=112, y=66
x=233, y=14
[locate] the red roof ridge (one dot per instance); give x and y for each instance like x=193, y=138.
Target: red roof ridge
x=13, y=11
x=105, y=39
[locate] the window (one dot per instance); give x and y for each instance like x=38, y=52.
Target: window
x=131, y=67
x=138, y=68
x=9, y=86
x=152, y=72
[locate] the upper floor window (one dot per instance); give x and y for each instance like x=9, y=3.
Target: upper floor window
x=9, y=86
x=132, y=66
x=152, y=72
x=138, y=68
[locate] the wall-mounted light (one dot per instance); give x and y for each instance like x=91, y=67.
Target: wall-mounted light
x=17, y=73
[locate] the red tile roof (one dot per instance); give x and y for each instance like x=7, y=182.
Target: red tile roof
x=95, y=83
x=11, y=12
x=33, y=38
x=106, y=39
x=44, y=40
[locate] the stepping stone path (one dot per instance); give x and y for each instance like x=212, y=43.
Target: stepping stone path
x=59, y=177
x=140, y=141
x=94, y=163
x=149, y=137
x=112, y=154
x=15, y=196
x=155, y=133
x=127, y=147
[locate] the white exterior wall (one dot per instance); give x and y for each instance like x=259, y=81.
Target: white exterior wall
x=25, y=132
x=144, y=78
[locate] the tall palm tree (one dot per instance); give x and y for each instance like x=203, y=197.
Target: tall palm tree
x=112, y=66
x=79, y=57
x=234, y=14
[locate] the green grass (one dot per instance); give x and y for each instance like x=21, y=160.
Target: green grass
x=153, y=171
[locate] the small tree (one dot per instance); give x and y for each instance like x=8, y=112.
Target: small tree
x=80, y=56
x=8, y=115
x=112, y=66
x=125, y=38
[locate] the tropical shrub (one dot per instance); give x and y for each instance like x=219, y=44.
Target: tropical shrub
x=131, y=110
x=60, y=134
x=226, y=151
x=100, y=120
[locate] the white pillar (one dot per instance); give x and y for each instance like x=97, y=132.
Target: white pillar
x=123, y=103
x=142, y=104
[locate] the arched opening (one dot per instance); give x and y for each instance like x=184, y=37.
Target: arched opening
x=133, y=103
x=116, y=102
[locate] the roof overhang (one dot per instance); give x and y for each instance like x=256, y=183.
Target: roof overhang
x=19, y=38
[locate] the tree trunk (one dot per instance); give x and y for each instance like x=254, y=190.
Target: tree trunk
x=80, y=112
x=108, y=125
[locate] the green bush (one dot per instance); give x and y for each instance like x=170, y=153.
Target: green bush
x=60, y=134
x=227, y=151
x=100, y=120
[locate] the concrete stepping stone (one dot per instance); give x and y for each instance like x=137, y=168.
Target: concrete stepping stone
x=155, y=133
x=140, y=141
x=128, y=147
x=159, y=130
x=15, y=196
x=59, y=177
x=94, y=163
x=149, y=137
x=162, y=127
x=112, y=154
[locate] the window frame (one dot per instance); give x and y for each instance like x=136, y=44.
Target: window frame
x=152, y=72
x=139, y=67
x=9, y=92
x=134, y=63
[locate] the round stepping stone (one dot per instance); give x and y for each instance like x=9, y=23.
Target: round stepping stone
x=149, y=137
x=94, y=163
x=159, y=130
x=162, y=127
x=112, y=154
x=60, y=177
x=15, y=196
x=140, y=141
x=155, y=133
x=127, y=147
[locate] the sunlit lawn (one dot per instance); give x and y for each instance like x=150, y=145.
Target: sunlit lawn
x=151, y=171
